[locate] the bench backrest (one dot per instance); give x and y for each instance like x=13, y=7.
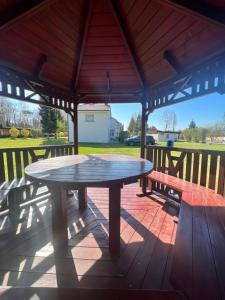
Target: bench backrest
x=204, y=167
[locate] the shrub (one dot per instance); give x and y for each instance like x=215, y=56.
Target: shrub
x=123, y=135
x=14, y=132
x=25, y=132
x=61, y=134
x=36, y=132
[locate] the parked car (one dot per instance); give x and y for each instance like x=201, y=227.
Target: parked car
x=136, y=140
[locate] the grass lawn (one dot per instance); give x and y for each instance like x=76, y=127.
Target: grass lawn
x=86, y=148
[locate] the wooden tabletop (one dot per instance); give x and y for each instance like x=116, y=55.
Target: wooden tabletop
x=89, y=170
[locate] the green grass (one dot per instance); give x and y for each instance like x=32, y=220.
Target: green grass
x=29, y=142
x=86, y=148
x=189, y=145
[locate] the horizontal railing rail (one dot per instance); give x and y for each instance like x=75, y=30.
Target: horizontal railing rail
x=204, y=167
x=14, y=160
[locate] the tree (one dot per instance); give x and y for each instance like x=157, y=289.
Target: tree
x=123, y=135
x=152, y=129
x=138, y=124
x=49, y=119
x=223, y=122
x=192, y=124
x=174, y=121
x=132, y=125
x=170, y=120
x=197, y=135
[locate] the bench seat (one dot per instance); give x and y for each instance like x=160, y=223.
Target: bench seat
x=86, y=294
x=175, y=183
x=198, y=267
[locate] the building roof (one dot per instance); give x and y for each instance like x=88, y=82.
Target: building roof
x=116, y=121
x=93, y=47
x=94, y=107
x=163, y=131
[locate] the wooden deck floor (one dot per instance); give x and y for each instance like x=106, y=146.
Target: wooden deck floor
x=148, y=230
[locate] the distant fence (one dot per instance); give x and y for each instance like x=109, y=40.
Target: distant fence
x=204, y=167
x=14, y=160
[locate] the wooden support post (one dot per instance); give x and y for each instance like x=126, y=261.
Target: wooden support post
x=75, y=123
x=143, y=128
x=59, y=218
x=114, y=219
x=82, y=197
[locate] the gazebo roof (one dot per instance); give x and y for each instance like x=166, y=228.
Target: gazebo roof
x=121, y=48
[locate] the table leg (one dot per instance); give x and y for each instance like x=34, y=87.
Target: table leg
x=59, y=218
x=114, y=219
x=82, y=197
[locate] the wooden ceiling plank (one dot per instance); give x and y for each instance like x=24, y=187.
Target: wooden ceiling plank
x=82, y=43
x=202, y=11
x=127, y=40
x=21, y=11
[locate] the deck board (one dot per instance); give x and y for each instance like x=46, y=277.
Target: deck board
x=148, y=230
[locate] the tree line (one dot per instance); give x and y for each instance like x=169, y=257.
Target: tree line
x=193, y=133
x=43, y=120
x=199, y=134
x=18, y=115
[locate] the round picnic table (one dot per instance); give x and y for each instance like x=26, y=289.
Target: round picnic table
x=77, y=172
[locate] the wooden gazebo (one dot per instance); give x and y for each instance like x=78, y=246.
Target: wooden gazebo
x=153, y=52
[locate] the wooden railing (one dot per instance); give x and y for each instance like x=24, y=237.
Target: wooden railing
x=204, y=167
x=14, y=160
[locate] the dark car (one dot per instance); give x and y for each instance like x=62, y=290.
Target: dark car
x=136, y=140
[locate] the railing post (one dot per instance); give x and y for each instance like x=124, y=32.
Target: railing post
x=143, y=128
x=75, y=126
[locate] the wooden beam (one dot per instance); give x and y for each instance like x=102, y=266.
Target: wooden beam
x=82, y=42
x=128, y=42
x=42, y=86
x=203, y=11
x=40, y=64
x=186, y=72
x=21, y=10
x=168, y=56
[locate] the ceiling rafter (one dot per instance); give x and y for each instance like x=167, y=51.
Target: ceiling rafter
x=169, y=57
x=40, y=65
x=128, y=41
x=21, y=11
x=82, y=42
x=198, y=9
x=186, y=72
x=43, y=86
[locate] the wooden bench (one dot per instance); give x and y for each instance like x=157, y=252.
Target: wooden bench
x=11, y=190
x=175, y=183
x=198, y=267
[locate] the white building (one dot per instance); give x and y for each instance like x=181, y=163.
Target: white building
x=164, y=136
x=95, y=124
x=115, y=128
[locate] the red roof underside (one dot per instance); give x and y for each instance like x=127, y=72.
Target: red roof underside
x=105, y=63
x=105, y=52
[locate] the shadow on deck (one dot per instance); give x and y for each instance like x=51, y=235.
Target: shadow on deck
x=148, y=230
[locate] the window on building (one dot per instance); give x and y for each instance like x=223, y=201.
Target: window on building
x=89, y=118
x=111, y=132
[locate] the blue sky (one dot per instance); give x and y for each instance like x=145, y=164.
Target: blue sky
x=205, y=111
